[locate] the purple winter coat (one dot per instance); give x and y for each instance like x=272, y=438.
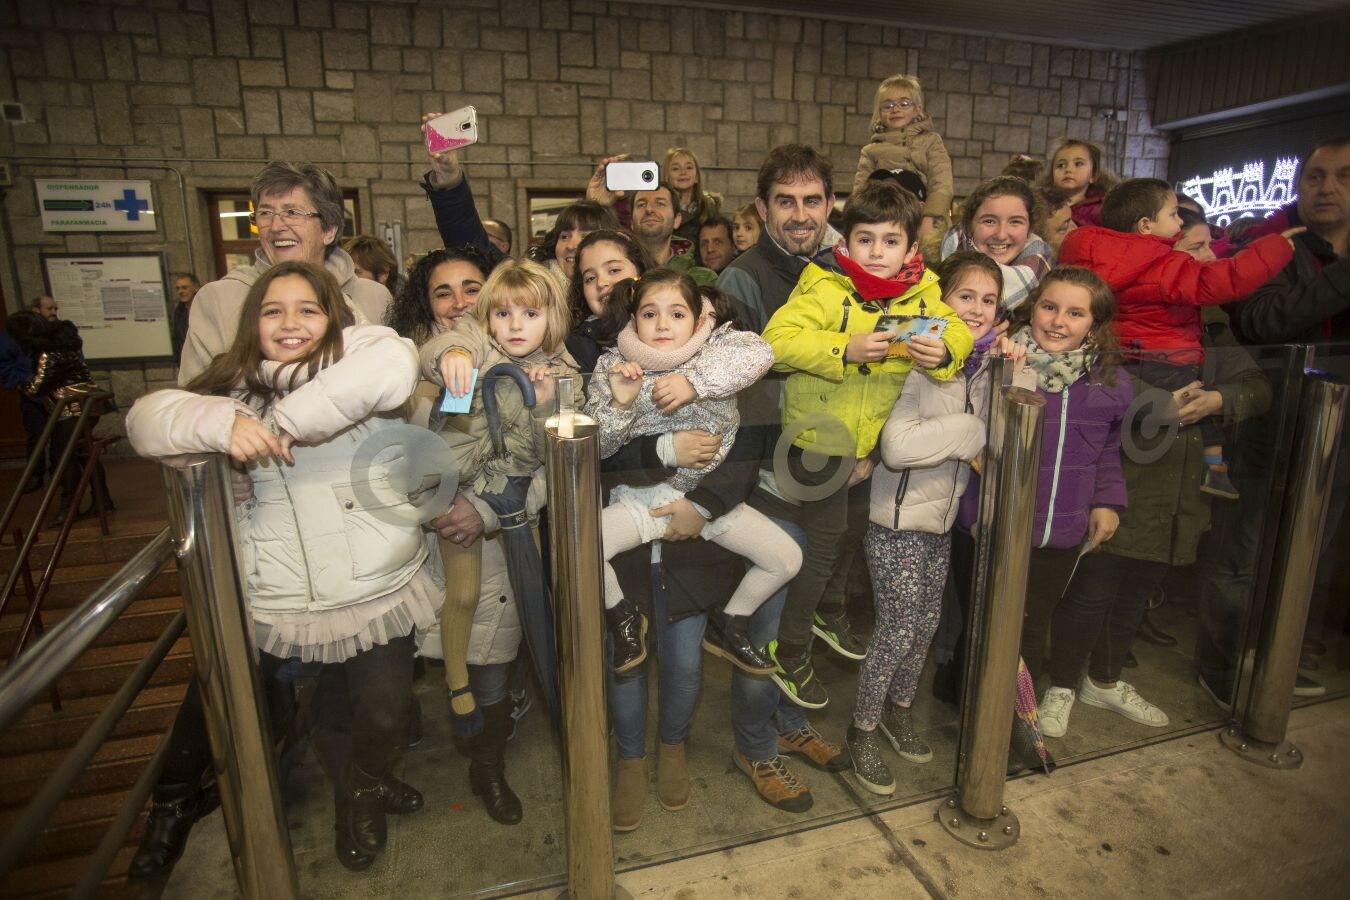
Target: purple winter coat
x=1079, y=472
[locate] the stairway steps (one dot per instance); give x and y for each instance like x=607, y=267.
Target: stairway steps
x=58, y=730
x=144, y=620
x=115, y=766
x=54, y=878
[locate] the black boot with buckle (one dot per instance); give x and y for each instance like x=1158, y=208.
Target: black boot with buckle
x=176, y=807
x=365, y=809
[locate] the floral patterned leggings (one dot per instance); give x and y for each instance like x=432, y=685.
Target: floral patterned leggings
x=909, y=572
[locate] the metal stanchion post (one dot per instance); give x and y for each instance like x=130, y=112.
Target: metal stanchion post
x=976, y=815
x=1321, y=416
x=573, y=466
x=201, y=516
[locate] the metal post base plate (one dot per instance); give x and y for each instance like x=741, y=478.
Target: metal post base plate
x=1283, y=755
x=997, y=833
x=619, y=894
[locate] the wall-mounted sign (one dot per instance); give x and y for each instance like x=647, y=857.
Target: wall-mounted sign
x=117, y=300
x=1243, y=192
x=80, y=205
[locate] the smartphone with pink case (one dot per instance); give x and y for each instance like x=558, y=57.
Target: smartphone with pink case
x=452, y=131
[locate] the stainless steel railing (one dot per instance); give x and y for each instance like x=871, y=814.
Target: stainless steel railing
x=34, y=673
x=202, y=519
x=573, y=466
x=1317, y=441
x=976, y=815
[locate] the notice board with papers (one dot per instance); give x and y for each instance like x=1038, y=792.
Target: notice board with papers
x=119, y=301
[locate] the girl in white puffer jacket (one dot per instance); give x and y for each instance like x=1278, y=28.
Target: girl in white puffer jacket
x=927, y=446
x=334, y=574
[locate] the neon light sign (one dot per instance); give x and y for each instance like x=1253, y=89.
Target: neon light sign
x=1230, y=194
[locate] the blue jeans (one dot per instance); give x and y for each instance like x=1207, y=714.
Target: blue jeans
x=679, y=648
x=488, y=682
x=759, y=711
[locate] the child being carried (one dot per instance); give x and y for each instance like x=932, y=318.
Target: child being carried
x=675, y=368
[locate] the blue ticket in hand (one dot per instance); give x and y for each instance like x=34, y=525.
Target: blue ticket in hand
x=453, y=404
x=902, y=328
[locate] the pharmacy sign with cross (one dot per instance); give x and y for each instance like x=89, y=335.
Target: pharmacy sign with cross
x=91, y=205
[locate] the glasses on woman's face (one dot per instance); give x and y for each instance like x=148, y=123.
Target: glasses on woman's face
x=892, y=105
x=265, y=217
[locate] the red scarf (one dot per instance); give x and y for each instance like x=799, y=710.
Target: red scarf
x=869, y=286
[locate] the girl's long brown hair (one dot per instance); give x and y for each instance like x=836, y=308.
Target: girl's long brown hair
x=238, y=367
x=1101, y=339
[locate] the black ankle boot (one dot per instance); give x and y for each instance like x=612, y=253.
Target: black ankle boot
x=628, y=628
x=365, y=809
x=729, y=637
x=487, y=765
x=176, y=808
x=399, y=797
x=351, y=856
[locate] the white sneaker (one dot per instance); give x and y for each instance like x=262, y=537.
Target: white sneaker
x=1124, y=699
x=1054, y=711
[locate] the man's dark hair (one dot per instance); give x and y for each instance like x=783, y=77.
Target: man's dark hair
x=1131, y=200
x=1337, y=142
x=716, y=222
x=660, y=186
x=883, y=201
x=789, y=162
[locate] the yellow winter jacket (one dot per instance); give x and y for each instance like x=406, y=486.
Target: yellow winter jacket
x=809, y=335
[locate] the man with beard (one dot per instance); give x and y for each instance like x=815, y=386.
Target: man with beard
x=654, y=222
x=794, y=197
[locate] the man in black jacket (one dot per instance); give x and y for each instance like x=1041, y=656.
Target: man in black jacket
x=1307, y=302
x=1310, y=299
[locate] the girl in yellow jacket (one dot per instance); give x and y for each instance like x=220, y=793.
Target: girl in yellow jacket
x=859, y=319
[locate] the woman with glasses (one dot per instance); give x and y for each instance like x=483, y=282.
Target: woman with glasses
x=298, y=213
x=903, y=138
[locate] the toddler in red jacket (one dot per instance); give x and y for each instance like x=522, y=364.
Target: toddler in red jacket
x=1159, y=291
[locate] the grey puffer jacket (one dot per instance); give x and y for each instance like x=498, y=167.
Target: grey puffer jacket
x=730, y=361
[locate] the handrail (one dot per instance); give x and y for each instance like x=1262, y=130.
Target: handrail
x=36, y=594
x=39, y=809
x=67, y=454
x=35, y=671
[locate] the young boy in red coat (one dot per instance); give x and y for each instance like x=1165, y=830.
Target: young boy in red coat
x=1159, y=292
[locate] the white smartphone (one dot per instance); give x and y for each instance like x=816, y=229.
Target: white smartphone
x=632, y=176
x=452, y=131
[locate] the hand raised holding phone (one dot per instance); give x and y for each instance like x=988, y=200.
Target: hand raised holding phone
x=445, y=134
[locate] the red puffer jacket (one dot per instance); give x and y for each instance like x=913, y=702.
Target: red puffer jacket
x=1158, y=290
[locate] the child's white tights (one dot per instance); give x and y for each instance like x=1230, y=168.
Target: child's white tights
x=773, y=555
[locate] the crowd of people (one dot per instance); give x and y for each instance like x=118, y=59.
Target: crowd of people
x=791, y=408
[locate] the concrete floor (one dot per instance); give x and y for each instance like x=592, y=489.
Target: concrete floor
x=1158, y=820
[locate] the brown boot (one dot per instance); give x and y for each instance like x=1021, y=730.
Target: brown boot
x=629, y=797
x=672, y=777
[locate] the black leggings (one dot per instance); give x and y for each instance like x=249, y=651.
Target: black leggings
x=1097, y=620
x=1047, y=575
x=361, y=709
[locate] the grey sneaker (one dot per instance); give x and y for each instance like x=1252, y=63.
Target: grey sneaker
x=865, y=749
x=897, y=723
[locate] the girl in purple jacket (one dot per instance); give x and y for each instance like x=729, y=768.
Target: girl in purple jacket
x=1063, y=336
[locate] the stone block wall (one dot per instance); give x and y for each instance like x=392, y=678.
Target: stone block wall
x=196, y=94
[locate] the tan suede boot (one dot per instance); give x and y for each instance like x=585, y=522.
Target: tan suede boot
x=672, y=777
x=629, y=797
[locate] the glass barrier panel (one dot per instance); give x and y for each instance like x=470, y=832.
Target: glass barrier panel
x=1324, y=665
x=1171, y=460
